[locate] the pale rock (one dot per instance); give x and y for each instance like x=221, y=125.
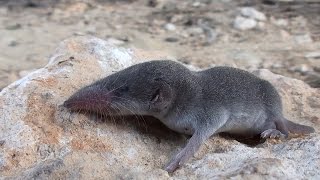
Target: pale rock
x=170, y=27
x=252, y=13
x=243, y=23
x=115, y=41
x=39, y=139
x=196, y=4
x=303, y=39
x=313, y=55
x=280, y=22
x=303, y=68
x=245, y=58
x=261, y=25
x=193, y=31
x=285, y=34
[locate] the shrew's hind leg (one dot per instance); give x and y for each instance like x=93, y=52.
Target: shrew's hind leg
x=274, y=129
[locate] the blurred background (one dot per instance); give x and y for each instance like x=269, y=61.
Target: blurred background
x=280, y=35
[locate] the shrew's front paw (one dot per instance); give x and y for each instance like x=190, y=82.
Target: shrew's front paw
x=177, y=161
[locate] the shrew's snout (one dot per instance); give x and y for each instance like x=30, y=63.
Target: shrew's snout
x=88, y=99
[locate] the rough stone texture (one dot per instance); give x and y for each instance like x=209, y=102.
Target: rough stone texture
x=253, y=13
x=40, y=139
x=243, y=23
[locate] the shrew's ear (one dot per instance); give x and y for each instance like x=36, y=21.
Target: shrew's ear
x=161, y=97
x=156, y=96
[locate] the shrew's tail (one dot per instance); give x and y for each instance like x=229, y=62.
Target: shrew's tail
x=298, y=128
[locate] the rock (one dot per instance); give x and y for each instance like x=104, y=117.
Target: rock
x=152, y=3
x=285, y=34
x=115, y=41
x=313, y=79
x=39, y=139
x=14, y=26
x=243, y=23
x=196, y=4
x=303, y=68
x=246, y=59
x=303, y=39
x=77, y=8
x=13, y=43
x=252, y=13
x=3, y=11
x=261, y=25
x=170, y=27
x=193, y=31
x=279, y=22
x=313, y=55
x=211, y=34
x=172, y=39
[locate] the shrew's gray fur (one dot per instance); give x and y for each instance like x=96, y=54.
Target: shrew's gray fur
x=220, y=99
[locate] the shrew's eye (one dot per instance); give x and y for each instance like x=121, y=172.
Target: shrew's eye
x=124, y=89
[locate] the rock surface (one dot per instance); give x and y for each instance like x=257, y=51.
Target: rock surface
x=253, y=13
x=39, y=139
x=243, y=23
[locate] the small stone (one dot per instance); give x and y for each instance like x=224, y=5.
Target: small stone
x=313, y=55
x=115, y=41
x=243, y=23
x=3, y=10
x=170, y=27
x=169, y=6
x=153, y=3
x=277, y=65
x=303, y=39
x=172, y=39
x=280, y=22
x=245, y=58
x=14, y=26
x=196, y=4
x=261, y=25
x=195, y=31
x=303, y=68
x=77, y=8
x=13, y=43
x=285, y=34
x=253, y=13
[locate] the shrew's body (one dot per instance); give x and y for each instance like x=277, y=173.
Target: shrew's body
x=201, y=104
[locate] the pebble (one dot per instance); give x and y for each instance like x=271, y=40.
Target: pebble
x=170, y=27
x=115, y=41
x=196, y=4
x=195, y=31
x=277, y=65
x=253, y=13
x=314, y=55
x=285, y=34
x=172, y=39
x=303, y=68
x=13, y=43
x=14, y=26
x=303, y=39
x=280, y=22
x=245, y=58
x=243, y=23
x=261, y=25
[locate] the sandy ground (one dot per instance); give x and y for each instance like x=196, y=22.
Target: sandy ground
x=200, y=33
